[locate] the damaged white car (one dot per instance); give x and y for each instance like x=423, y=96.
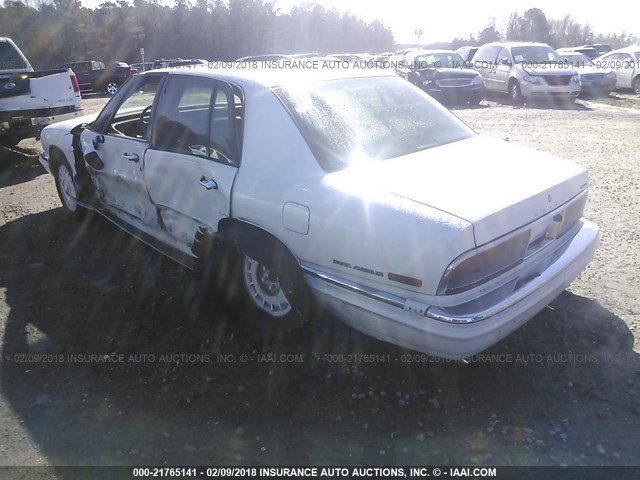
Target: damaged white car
x=399, y=219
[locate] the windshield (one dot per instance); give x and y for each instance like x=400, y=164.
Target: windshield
x=368, y=119
x=10, y=59
x=438, y=60
x=576, y=59
x=535, y=54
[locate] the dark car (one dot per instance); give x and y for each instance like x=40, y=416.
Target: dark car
x=443, y=75
x=95, y=76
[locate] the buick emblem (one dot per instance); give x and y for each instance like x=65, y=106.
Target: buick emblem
x=9, y=85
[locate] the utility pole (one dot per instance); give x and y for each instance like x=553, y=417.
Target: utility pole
x=418, y=33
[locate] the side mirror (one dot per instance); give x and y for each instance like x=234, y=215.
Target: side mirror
x=97, y=141
x=506, y=61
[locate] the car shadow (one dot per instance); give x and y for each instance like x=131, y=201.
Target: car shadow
x=542, y=104
x=109, y=357
x=468, y=106
x=18, y=165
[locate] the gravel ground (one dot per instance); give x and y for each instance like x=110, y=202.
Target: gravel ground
x=561, y=390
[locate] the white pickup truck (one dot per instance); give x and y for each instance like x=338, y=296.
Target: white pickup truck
x=31, y=100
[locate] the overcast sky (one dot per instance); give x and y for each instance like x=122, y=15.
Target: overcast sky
x=444, y=20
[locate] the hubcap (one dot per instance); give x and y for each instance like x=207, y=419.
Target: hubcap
x=264, y=289
x=67, y=188
x=515, y=93
x=112, y=88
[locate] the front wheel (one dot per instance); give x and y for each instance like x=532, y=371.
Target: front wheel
x=67, y=190
x=515, y=93
x=112, y=88
x=636, y=85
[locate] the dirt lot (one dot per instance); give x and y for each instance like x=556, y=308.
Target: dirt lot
x=565, y=392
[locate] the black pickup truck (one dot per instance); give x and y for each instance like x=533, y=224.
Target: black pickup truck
x=94, y=76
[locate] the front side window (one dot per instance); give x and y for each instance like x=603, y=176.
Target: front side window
x=131, y=118
x=503, y=55
x=348, y=121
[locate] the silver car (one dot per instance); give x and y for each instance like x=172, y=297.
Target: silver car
x=526, y=70
x=626, y=65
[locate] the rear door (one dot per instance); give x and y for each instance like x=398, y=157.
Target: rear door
x=194, y=156
x=114, y=148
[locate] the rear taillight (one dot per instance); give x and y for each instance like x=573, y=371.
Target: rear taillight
x=76, y=86
x=128, y=72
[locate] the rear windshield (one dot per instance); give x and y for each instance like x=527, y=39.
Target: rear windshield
x=10, y=59
x=368, y=119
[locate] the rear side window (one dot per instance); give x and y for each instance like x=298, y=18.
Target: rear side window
x=199, y=117
x=486, y=53
x=10, y=59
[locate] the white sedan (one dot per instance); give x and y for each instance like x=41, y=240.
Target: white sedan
x=356, y=186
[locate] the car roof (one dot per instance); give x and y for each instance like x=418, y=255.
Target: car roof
x=432, y=50
x=273, y=77
x=516, y=44
x=630, y=48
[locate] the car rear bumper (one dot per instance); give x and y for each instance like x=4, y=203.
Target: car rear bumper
x=434, y=332
x=28, y=125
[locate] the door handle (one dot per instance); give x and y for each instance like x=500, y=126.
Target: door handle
x=132, y=157
x=209, y=184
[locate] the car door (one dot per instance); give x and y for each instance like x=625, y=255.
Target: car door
x=194, y=155
x=114, y=148
x=83, y=75
x=485, y=63
x=627, y=64
x=502, y=70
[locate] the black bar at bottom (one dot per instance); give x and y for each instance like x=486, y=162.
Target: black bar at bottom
x=322, y=472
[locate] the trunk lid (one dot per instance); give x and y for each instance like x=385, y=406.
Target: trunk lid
x=495, y=185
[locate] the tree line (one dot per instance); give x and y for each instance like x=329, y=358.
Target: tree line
x=54, y=32
x=533, y=26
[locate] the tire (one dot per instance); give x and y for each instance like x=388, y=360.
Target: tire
x=111, y=88
x=515, y=93
x=636, y=85
x=67, y=190
x=263, y=312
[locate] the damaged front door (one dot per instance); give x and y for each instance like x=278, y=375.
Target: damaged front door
x=114, y=150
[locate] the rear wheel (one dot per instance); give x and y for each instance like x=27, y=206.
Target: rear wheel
x=636, y=85
x=261, y=302
x=515, y=93
x=112, y=88
x=263, y=289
